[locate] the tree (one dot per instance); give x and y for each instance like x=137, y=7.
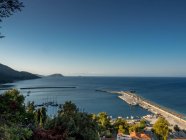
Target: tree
x=121, y=126
x=72, y=124
x=40, y=116
x=161, y=128
x=138, y=127
x=134, y=128
x=104, y=120
x=12, y=106
x=85, y=126
x=176, y=128
x=68, y=108
x=105, y=127
x=15, y=132
x=14, y=116
x=8, y=8
x=121, y=129
x=142, y=125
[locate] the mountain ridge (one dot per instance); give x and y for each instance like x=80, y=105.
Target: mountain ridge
x=8, y=75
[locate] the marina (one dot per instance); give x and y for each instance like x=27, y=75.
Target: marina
x=48, y=101
x=133, y=99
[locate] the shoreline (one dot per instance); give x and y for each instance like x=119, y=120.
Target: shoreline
x=133, y=99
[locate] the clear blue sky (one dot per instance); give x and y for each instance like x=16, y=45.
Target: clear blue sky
x=97, y=37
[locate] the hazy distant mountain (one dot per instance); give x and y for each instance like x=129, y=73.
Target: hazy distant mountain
x=55, y=75
x=8, y=74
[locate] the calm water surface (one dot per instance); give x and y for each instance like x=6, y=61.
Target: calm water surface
x=168, y=92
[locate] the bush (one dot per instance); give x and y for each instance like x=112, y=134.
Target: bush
x=161, y=128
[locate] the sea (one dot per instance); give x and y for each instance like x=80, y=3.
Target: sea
x=167, y=92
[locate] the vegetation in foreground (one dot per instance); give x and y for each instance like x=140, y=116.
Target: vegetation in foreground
x=8, y=8
x=25, y=122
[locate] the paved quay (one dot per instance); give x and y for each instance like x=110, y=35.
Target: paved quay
x=172, y=117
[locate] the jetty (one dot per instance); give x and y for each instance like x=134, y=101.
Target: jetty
x=133, y=99
x=46, y=87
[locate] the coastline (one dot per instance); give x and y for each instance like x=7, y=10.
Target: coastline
x=133, y=99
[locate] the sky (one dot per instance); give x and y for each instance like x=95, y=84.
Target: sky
x=97, y=38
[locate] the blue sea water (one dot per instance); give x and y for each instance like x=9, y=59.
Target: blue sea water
x=168, y=92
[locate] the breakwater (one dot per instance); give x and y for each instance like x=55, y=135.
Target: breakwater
x=133, y=99
x=44, y=87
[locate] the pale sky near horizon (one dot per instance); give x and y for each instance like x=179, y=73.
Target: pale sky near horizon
x=97, y=38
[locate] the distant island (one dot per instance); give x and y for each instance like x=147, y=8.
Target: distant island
x=56, y=75
x=8, y=75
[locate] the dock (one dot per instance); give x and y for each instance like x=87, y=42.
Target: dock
x=133, y=99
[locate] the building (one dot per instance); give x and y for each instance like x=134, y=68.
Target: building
x=139, y=136
x=121, y=136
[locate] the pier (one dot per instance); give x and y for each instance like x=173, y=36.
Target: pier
x=133, y=99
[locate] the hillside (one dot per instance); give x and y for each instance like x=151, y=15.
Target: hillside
x=8, y=74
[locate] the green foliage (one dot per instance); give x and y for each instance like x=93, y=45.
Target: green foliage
x=29, y=115
x=105, y=127
x=68, y=108
x=15, y=118
x=134, y=128
x=85, y=126
x=15, y=132
x=8, y=7
x=12, y=106
x=176, y=128
x=121, y=125
x=161, y=128
x=106, y=133
x=138, y=127
x=103, y=121
x=40, y=116
x=121, y=129
x=75, y=124
x=30, y=107
x=142, y=124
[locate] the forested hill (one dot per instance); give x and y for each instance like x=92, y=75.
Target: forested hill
x=8, y=74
